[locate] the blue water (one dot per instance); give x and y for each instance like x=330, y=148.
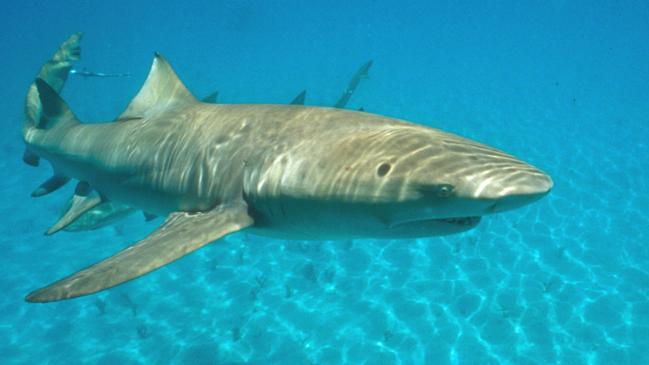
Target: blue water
x=561, y=84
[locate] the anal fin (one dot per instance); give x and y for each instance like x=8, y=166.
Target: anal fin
x=181, y=234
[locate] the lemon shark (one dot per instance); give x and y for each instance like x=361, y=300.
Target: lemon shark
x=285, y=171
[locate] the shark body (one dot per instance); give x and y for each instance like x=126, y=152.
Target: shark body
x=287, y=171
x=83, y=214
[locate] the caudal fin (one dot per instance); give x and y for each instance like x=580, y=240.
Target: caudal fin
x=55, y=73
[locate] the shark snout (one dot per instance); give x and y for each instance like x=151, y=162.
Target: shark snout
x=484, y=189
x=512, y=189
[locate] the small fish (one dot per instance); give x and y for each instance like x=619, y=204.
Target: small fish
x=85, y=73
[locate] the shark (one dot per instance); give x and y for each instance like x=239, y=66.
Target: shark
x=274, y=170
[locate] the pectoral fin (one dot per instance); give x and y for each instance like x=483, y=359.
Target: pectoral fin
x=181, y=234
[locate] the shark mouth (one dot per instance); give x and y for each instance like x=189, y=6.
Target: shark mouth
x=454, y=221
x=460, y=221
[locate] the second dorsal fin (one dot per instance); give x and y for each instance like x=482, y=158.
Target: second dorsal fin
x=162, y=89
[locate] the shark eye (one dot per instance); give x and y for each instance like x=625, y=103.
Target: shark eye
x=445, y=190
x=438, y=190
x=383, y=169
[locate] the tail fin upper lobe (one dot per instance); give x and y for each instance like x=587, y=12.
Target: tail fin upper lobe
x=54, y=72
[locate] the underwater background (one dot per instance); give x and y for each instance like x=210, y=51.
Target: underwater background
x=563, y=85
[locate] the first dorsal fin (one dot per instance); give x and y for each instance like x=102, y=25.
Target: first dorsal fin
x=162, y=89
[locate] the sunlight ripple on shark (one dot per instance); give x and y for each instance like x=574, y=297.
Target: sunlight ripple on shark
x=286, y=171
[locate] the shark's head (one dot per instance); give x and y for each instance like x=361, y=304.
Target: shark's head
x=406, y=181
x=431, y=180
x=447, y=183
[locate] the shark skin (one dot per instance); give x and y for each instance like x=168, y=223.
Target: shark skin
x=286, y=171
x=83, y=214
